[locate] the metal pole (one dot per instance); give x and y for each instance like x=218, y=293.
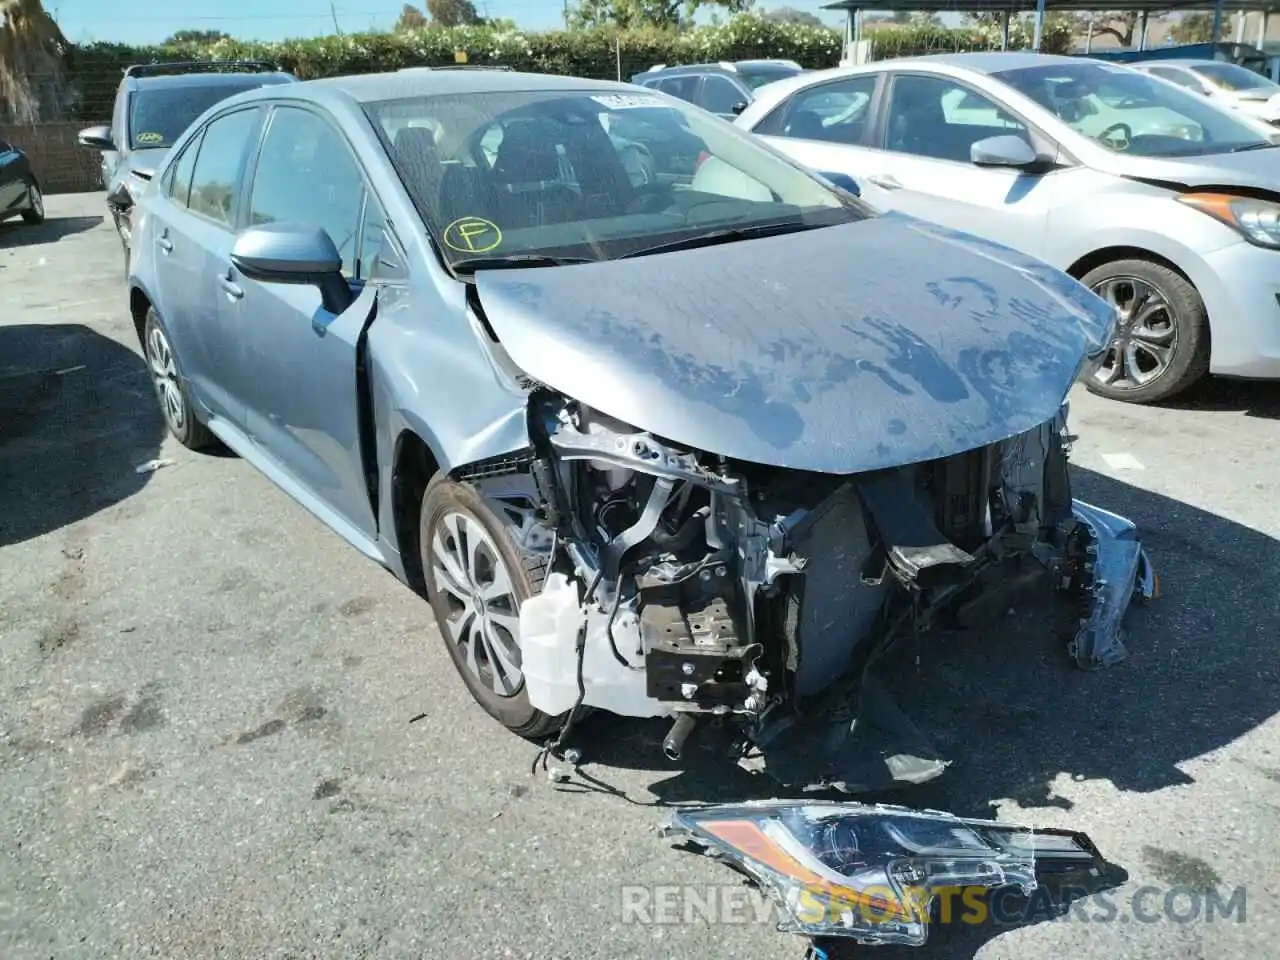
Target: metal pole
x=1035, y=44
x=1262, y=29
x=1218, y=10
x=1004, y=36
x=1088, y=37
x=1240, y=26
x=1142, y=40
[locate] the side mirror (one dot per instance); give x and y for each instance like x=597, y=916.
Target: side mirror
x=738, y=107
x=294, y=253
x=1003, y=151
x=96, y=138
x=843, y=181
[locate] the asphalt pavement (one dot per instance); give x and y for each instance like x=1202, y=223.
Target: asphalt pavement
x=207, y=703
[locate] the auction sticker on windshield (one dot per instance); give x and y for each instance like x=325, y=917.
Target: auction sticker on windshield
x=622, y=101
x=472, y=235
x=150, y=138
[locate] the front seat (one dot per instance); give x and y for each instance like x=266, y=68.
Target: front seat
x=526, y=171
x=920, y=126
x=418, y=161
x=806, y=125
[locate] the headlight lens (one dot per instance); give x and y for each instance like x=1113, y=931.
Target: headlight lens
x=1258, y=221
x=873, y=872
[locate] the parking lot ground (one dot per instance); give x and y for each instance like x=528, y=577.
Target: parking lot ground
x=205, y=703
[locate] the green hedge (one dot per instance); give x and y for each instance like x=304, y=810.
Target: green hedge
x=97, y=67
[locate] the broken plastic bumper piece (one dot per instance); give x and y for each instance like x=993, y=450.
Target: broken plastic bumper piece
x=874, y=873
x=1119, y=569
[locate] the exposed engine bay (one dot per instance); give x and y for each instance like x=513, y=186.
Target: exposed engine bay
x=687, y=585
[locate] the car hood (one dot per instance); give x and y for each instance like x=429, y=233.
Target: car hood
x=1251, y=168
x=842, y=349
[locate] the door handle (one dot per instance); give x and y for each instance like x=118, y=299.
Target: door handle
x=885, y=181
x=163, y=241
x=230, y=287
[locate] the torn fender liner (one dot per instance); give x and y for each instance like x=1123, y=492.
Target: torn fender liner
x=915, y=345
x=872, y=873
x=1119, y=567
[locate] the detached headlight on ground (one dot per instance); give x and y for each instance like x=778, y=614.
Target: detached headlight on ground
x=872, y=873
x=1258, y=221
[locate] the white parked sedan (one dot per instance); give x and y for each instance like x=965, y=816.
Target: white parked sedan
x=1230, y=84
x=1159, y=201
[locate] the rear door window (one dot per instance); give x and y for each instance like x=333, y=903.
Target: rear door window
x=219, y=167
x=719, y=94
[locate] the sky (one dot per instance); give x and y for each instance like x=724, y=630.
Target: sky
x=150, y=21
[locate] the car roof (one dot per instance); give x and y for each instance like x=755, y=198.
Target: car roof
x=1188, y=62
x=367, y=87
x=993, y=61
x=209, y=79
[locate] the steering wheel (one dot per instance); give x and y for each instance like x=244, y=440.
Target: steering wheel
x=1105, y=135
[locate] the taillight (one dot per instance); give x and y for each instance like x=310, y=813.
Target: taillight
x=703, y=157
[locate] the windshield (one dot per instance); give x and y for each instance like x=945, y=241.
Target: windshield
x=1128, y=112
x=590, y=174
x=758, y=76
x=1234, y=78
x=159, y=115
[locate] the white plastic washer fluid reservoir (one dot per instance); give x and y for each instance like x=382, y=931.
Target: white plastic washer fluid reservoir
x=549, y=624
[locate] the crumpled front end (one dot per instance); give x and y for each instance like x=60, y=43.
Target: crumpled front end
x=689, y=585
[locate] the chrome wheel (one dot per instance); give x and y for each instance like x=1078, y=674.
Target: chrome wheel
x=482, y=612
x=36, y=200
x=164, y=374
x=1145, y=338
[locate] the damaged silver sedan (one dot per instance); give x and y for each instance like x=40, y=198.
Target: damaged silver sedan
x=659, y=422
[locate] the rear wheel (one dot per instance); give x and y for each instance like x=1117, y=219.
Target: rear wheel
x=1161, y=341
x=476, y=582
x=171, y=389
x=34, y=213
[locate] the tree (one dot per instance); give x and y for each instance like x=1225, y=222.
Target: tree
x=203, y=37
x=792, y=15
x=1196, y=28
x=922, y=18
x=33, y=77
x=411, y=18
x=452, y=13
x=625, y=14
x=1115, y=23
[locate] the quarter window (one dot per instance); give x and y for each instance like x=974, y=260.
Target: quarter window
x=179, y=187
x=683, y=87
x=932, y=117
x=306, y=175
x=219, y=165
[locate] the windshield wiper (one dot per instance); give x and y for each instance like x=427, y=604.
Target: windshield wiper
x=515, y=261
x=1260, y=145
x=727, y=235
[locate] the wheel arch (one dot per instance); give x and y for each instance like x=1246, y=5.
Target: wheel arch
x=413, y=464
x=1110, y=254
x=139, y=304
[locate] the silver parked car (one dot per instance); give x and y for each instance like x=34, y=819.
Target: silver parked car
x=706, y=444
x=1228, y=84
x=1161, y=202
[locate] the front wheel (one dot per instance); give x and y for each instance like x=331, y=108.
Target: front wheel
x=34, y=213
x=476, y=582
x=1161, y=342
x=171, y=390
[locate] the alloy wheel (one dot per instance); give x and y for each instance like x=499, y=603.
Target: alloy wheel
x=37, y=200
x=482, y=609
x=1145, y=338
x=164, y=374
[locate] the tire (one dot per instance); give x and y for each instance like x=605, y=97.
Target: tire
x=34, y=214
x=1174, y=354
x=456, y=512
x=170, y=387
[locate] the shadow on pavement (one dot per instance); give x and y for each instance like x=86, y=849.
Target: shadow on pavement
x=77, y=415
x=1253, y=398
x=16, y=233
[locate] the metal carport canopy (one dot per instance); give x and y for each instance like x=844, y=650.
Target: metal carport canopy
x=854, y=9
